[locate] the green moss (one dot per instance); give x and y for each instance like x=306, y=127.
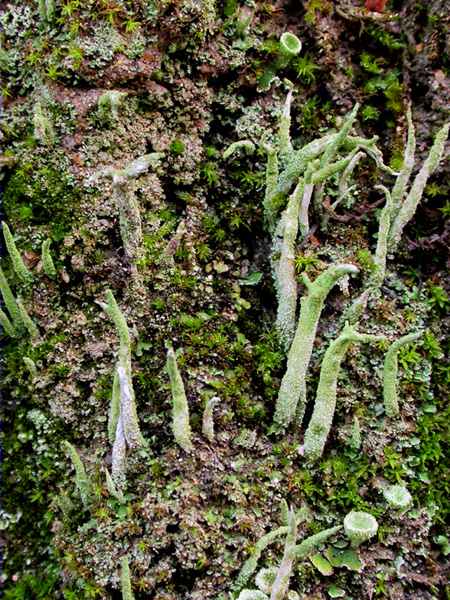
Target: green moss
x=41, y=195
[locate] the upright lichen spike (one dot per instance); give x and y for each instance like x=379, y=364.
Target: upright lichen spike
x=208, y=418
x=324, y=407
x=409, y=205
x=114, y=312
x=292, y=393
x=390, y=372
x=17, y=263
x=6, y=324
x=128, y=413
x=10, y=302
x=81, y=479
x=47, y=261
x=27, y=321
x=114, y=408
x=180, y=408
x=115, y=491
x=284, y=135
x=119, y=456
x=284, y=269
x=401, y=182
x=270, y=204
x=125, y=579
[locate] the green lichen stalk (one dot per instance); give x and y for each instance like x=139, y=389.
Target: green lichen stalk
x=250, y=565
x=292, y=394
x=47, y=261
x=81, y=479
x=125, y=580
x=27, y=322
x=6, y=324
x=409, y=205
x=180, y=408
x=319, y=427
x=10, y=302
x=17, y=263
x=390, y=372
x=312, y=542
x=283, y=576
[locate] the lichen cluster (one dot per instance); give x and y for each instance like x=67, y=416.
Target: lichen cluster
x=198, y=330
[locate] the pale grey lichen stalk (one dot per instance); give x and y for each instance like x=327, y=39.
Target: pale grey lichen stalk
x=292, y=393
x=320, y=424
x=390, y=372
x=250, y=565
x=123, y=423
x=82, y=481
x=409, y=205
x=180, y=408
x=127, y=205
x=208, y=419
x=283, y=576
x=125, y=580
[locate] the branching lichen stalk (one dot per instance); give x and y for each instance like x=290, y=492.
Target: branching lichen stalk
x=311, y=543
x=281, y=583
x=390, y=372
x=320, y=424
x=180, y=408
x=292, y=394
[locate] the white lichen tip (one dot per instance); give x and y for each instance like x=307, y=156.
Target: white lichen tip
x=359, y=527
x=265, y=579
x=397, y=496
x=252, y=595
x=290, y=44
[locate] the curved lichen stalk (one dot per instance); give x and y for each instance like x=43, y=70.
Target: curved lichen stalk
x=319, y=427
x=208, y=418
x=282, y=578
x=390, y=372
x=292, y=394
x=180, y=408
x=250, y=565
